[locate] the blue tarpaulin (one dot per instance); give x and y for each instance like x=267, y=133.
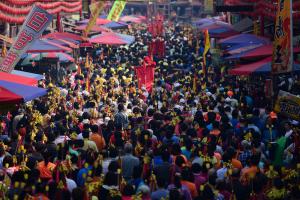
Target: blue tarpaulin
x=27, y=74
x=28, y=93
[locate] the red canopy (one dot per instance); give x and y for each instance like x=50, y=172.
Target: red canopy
x=17, y=79
x=249, y=68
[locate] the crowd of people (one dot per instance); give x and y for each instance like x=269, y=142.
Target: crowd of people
x=195, y=135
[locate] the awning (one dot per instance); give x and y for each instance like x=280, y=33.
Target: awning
x=243, y=25
x=16, y=93
x=28, y=74
x=248, y=69
x=261, y=67
x=40, y=46
x=18, y=79
x=31, y=57
x=116, y=25
x=63, y=35
x=243, y=38
x=261, y=51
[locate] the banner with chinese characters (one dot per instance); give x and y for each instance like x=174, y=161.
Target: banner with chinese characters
x=288, y=104
x=282, y=50
x=95, y=8
x=33, y=27
x=208, y=6
x=116, y=10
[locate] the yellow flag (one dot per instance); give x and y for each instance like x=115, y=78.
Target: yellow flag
x=206, y=45
x=87, y=62
x=96, y=9
x=4, y=50
x=116, y=10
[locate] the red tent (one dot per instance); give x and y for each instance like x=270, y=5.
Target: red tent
x=17, y=79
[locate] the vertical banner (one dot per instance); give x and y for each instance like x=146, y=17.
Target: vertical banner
x=33, y=27
x=95, y=8
x=283, y=48
x=116, y=10
x=206, y=49
x=208, y=6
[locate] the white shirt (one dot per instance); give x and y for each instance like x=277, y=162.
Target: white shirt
x=70, y=184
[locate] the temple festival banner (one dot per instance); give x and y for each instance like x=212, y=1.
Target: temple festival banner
x=95, y=8
x=36, y=22
x=116, y=10
x=282, y=51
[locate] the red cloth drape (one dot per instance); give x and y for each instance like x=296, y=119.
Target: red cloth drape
x=145, y=73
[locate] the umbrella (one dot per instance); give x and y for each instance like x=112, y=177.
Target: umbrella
x=112, y=38
x=44, y=45
x=261, y=67
x=18, y=79
x=28, y=74
x=16, y=93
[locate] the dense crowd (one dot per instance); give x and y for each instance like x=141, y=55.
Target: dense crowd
x=97, y=135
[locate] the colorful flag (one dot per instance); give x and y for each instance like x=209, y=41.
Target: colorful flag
x=206, y=49
x=283, y=49
x=95, y=8
x=116, y=10
x=36, y=22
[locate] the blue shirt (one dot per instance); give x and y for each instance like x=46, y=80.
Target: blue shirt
x=159, y=194
x=174, y=140
x=80, y=178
